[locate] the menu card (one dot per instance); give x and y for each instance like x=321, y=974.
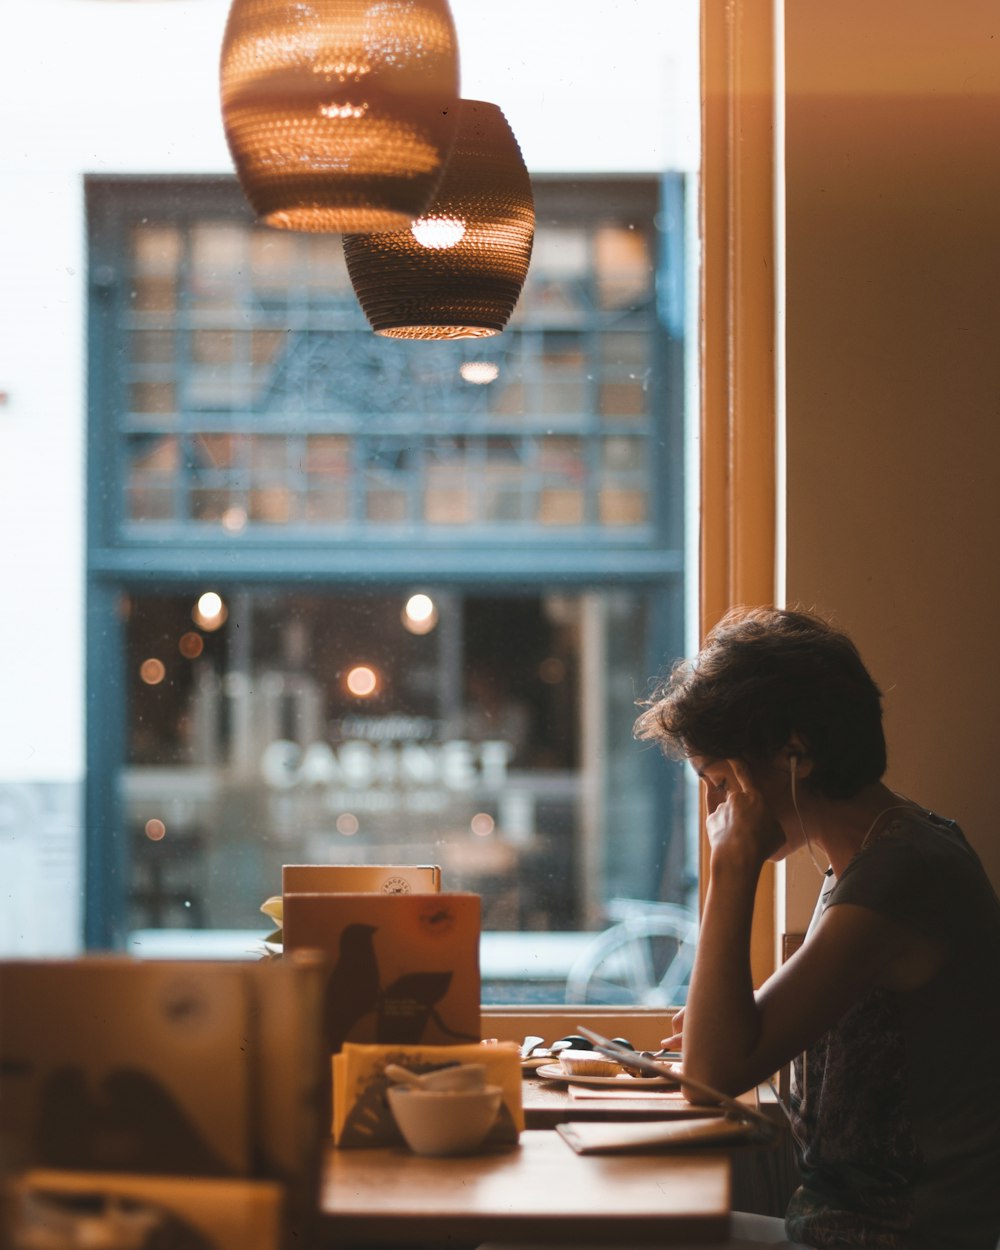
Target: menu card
x=189, y=1068
x=600, y=1137
x=404, y=968
x=360, y=878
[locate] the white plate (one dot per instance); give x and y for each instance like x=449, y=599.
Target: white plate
x=556, y=1072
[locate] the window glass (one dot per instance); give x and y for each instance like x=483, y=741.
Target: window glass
x=259, y=331
x=280, y=484
x=408, y=725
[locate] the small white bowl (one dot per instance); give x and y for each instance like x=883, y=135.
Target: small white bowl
x=444, y=1121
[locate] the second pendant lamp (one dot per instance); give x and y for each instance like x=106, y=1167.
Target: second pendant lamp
x=458, y=270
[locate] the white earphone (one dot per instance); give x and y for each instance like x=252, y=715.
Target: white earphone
x=793, y=773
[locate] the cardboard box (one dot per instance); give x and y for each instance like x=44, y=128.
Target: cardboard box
x=403, y=968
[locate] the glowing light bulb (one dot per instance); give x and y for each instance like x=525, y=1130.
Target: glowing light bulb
x=438, y=232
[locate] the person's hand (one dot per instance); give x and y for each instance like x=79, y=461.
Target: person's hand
x=676, y=1039
x=740, y=828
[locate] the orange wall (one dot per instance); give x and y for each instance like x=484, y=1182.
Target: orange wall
x=893, y=372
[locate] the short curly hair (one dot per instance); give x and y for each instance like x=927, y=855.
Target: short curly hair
x=763, y=675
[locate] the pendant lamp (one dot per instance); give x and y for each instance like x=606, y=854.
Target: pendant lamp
x=339, y=114
x=458, y=271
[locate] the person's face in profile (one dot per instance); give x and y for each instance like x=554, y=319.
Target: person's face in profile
x=772, y=780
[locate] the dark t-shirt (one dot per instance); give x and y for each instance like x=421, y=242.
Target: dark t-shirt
x=899, y=1103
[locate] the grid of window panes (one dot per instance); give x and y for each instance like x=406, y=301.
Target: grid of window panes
x=256, y=400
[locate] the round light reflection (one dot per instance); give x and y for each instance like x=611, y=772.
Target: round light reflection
x=552, y=670
x=152, y=671
x=234, y=520
x=191, y=645
x=155, y=830
x=362, y=681
x=348, y=824
x=482, y=824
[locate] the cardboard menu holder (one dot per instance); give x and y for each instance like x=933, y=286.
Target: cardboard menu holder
x=360, y=878
x=169, y=1068
x=102, y=1209
x=361, y=1112
x=403, y=968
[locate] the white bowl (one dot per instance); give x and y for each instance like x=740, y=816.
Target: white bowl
x=444, y=1121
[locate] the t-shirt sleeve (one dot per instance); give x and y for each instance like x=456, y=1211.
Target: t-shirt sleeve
x=921, y=878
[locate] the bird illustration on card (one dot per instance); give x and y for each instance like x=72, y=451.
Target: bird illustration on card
x=404, y=968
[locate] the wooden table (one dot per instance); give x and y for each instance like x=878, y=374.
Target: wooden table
x=763, y=1177
x=538, y=1191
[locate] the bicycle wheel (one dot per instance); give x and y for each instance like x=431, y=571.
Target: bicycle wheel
x=644, y=960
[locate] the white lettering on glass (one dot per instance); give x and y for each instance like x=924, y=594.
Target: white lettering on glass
x=363, y=766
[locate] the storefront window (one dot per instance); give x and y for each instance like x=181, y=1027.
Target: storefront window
x=381, y=601
x=417, y=725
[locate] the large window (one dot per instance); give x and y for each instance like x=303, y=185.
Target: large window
x=357, y=600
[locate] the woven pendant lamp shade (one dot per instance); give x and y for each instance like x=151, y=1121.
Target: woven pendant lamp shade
x=339, y=114
x=458, y=271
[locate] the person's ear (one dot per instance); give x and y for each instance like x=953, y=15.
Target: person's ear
x=796, y=757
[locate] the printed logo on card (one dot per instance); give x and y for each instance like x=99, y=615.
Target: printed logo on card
x=396, y=885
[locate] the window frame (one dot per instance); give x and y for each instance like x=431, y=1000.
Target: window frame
x=740, y=344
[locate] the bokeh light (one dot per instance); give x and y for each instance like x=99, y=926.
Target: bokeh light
x=234, y=520
x=348, y=824
x=552, y=670
x=362, y=681
x=155, y=830
x=210, y=612
x=191, y=645
x=420, y=614
x=482, y=824
x=152, y=671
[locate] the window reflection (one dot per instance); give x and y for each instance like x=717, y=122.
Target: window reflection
x=305, y=719
x=259, y=330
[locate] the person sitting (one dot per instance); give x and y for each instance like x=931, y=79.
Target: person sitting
x=890, y=1010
